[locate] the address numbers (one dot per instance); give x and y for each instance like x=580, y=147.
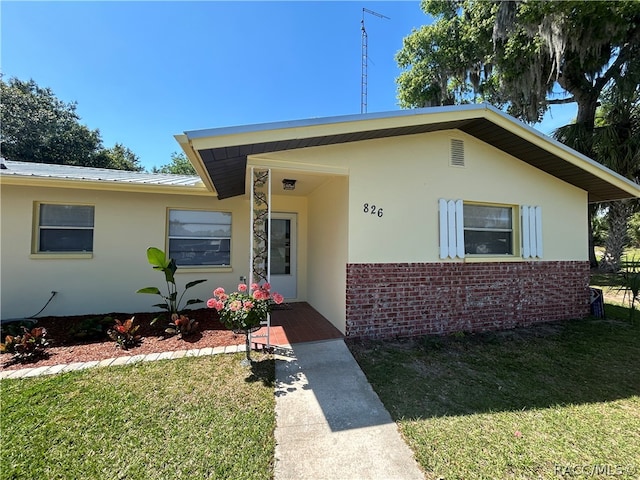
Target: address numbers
x=372, y=209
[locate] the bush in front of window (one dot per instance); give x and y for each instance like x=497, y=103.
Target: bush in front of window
x=159, y=261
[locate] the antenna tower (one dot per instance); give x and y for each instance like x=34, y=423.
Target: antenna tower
x=365, y=59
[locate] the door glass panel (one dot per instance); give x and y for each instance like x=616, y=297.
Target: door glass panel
x=280, y=247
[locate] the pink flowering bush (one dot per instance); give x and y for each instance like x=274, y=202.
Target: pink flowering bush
x=246, y=308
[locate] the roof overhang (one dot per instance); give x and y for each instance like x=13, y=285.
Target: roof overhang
x=220, y=155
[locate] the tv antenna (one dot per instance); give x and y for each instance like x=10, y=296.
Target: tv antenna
x=365, y=59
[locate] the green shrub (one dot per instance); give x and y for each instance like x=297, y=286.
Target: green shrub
x=93, y=328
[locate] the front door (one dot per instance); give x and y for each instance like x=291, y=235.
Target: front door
x=284, y=254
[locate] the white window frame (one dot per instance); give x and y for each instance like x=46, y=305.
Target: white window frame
x=214, y=253
x=39, y=228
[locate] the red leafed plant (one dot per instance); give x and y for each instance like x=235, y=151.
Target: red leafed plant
x=182, y=325
x=26, y=347
x=124, y=334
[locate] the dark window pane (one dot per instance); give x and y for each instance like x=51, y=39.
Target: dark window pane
x=200, y=252
x=281, y=246
x=488, y=243
x=66, y=240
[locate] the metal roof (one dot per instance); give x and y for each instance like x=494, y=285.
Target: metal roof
x=88, y=174
x=224, y=151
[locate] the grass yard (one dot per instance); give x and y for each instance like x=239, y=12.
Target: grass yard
x=612, y=284
x=559, y=400
x=203, y=417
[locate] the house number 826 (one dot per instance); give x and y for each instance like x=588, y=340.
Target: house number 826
x=372, y=209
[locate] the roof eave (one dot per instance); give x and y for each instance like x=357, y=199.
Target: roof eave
x=36, y=181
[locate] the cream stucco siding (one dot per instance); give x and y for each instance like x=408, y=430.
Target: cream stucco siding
x=403, y=177
x=373, y=201
x=328, y=235
x=126, y=224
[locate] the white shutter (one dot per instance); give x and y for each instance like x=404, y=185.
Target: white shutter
x=459, y=229
x=451, y=228
x=532, y=232
x=451, y=225
x=524, y=221
x=531, y=222
x=539, y=231
x=444, y=229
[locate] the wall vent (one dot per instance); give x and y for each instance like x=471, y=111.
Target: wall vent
x=457, y=153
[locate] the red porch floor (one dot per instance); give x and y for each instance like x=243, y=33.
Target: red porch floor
x=296, y=323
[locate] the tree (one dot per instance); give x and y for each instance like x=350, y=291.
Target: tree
x=118, y=157
x=38, y=127
x=615, y=142
x=514, y=53
x=180, y=165
x=522, y=55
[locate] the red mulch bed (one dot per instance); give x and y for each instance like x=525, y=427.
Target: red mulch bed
x=64, y=348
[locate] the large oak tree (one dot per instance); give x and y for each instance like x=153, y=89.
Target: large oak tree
x=39, y=127
x=522, y=56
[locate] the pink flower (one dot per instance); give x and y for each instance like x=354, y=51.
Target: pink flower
x=255, y=286
x=218, y=291
x=235, y=305
x=217, y=304
x=223, y=297
x=266, y=286
x=248, y=304
x=278, y=298
x=518, y=434
x=242, y=287
x=259, y=295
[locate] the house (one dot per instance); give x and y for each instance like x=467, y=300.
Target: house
x=389, y=224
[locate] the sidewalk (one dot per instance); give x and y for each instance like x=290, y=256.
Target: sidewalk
x=330, y=422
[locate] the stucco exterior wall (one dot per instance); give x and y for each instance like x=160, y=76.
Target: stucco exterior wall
x=328, y=232
x=126, y=224
x=405, y=177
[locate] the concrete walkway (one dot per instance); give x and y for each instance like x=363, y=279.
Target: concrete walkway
x=330, y=422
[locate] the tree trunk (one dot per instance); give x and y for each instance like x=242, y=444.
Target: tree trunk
x=587, y=105
x=593, y=261
x=618, y=219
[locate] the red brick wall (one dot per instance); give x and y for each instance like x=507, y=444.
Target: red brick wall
x=408, y=299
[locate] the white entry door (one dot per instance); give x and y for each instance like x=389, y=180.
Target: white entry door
x=283, y=254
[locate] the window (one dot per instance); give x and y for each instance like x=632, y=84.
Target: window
x=200, y=238
x=65, y=228
x=491, y=230
x=488, y=230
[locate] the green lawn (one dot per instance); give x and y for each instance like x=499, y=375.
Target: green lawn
x=560, y=400
x=193, y=418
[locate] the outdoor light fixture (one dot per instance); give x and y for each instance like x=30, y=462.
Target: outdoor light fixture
x=288, y=184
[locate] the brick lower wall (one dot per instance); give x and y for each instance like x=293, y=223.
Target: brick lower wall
x=410, y=299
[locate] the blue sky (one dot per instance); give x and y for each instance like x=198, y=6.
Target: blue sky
x=141, y=72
